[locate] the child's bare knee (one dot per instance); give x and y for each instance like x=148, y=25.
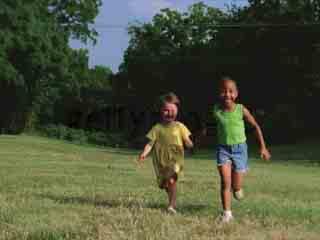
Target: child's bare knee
x=226, y=185
x=172, y=180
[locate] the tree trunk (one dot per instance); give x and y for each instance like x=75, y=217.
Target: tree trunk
x=84, y=118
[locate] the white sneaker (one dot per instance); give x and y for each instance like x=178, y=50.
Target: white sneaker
x=226, y=218
x=171, y=210
x=239, y=195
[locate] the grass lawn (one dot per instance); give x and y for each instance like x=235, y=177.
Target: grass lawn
x=54, y=190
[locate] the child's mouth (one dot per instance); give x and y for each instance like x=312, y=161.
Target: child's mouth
x=169, y=118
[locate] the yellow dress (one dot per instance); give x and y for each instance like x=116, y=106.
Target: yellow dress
x=168, y=151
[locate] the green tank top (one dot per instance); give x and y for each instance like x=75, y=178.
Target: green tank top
x=230, y=125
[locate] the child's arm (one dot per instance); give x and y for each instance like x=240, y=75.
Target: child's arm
x=147, y=149
x=264, y=153
x=185, y=135
x=152, y=137
x=187, y=141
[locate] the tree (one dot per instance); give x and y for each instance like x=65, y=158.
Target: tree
x=280, y=23
x=270, y=47
x=34, y=51
x=280, y=40
x=75, y=17
x=171, y=47
x=278, y=11
x=93, y=92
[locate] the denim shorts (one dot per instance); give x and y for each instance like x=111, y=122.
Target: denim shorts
x=236, y=154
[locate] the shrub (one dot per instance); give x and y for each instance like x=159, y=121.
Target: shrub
x=77, y=136
x=80, y=136
x=56, y=131
x=98, y=138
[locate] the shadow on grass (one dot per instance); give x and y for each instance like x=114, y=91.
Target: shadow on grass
x=98, y=202
x=183, y=208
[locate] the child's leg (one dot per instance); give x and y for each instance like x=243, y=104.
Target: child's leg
x=237, y=180
x=240, y=166
x=171, y=189
x=225, y=176
x=172, y=192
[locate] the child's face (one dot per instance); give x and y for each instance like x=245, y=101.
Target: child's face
x=169, y=112
x=228, y=93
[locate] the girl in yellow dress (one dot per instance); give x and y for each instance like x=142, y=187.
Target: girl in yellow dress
x=166, y=140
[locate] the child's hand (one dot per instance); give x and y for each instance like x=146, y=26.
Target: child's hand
x=145, y=152
x=265, y=154
x=141, y=158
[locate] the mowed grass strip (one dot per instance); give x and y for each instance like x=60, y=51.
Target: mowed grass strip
x=51, y=189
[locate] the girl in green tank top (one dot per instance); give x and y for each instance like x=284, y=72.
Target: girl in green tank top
x=230, y=125
x=232, y=148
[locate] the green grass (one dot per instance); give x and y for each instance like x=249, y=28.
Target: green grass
x=54, y=190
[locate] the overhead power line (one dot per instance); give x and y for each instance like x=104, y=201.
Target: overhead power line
x=222, y=26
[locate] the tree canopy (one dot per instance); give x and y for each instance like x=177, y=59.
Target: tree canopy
x=35, y=57
x=269, y=47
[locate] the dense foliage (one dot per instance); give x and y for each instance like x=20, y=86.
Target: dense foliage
x=270, y=48
x=37, y=65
